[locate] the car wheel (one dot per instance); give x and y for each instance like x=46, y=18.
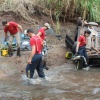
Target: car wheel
x=78, y=65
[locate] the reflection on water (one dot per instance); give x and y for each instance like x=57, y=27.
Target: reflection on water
x=96, y=90
x=62, y=83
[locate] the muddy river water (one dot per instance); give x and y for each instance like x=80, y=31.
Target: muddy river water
x=63, y=83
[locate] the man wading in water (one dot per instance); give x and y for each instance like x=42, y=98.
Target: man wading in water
x=35, y=58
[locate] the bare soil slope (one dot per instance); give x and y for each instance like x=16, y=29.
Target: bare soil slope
x=56, y=52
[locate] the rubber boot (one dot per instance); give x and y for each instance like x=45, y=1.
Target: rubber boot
x=18, y=52
x=10, y=51
x=44, y=65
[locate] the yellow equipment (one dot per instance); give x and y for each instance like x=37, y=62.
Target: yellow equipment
x=69, y=55
x=4, y=52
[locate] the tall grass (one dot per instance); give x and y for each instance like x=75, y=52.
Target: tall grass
x=59, y=8
x=56, y=10
x=89, y=9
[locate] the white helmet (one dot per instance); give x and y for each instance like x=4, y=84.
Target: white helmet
x=47, y=25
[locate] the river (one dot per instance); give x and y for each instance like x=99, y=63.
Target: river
x=63, y=83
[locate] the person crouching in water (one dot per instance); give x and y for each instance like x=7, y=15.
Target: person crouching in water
x=35, y=58
x=13, y=28
x=81, y=49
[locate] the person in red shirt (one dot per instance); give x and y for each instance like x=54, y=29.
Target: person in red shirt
x=35, y=58
x=80, y=48
x=42, y=35
x=13, y=28
x=42, y=30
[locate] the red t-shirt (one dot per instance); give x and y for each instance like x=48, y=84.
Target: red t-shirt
x=12, y=28
x=35, y=40
x=43, y=34
x=82, y=40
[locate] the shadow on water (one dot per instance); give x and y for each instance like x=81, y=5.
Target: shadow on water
x=62, y=83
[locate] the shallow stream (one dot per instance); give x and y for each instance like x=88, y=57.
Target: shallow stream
x=63, y=83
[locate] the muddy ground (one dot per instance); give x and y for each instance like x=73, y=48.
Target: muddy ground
x=63, y=81
x=56, y=47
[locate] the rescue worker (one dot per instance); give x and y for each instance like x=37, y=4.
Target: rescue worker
x=14, y=29
x=35, y=58
x=42, y=30
x=42, y=35
x=80, y=48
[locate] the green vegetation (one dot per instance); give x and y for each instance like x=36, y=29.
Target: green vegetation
x=55, y=10
x=66, y=9
x=89, y=9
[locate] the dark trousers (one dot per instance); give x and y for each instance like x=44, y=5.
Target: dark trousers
x=82, y=52
x=36, y=64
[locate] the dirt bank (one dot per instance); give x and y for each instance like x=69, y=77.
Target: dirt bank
x=56, y=48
